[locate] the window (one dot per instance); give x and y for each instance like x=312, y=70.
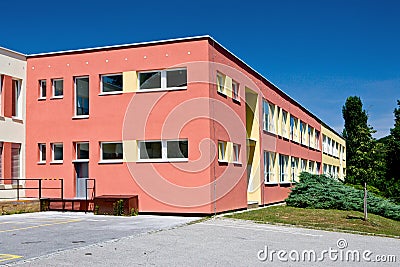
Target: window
x=42, y=89
x=57, y=152
x=311, y=166
x=111, y=83
x=303, y=133
x=163, y=150
x=82, y=151
x=318, y=168
x=111, y=151
x=177, y=149
x=295, y=167
x=82, y=96
x=1, y=161
x=58, y=88
x=235, y=90
x=1, y=90
x=317, y=140
x=236, y=153
x=284, y=123
x=15, y=162
x=303, y=165
x=269, y=162
x=271, y=118
x=42, y=153
x=163, y=79
x=150, y=150
x=265, y=115
x=176, y=78
x=283, y=167
x=221, y=83
x=16, y=101
x=221, y=150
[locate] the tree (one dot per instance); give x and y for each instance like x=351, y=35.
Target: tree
x=393, y=157
x=355, y=131
x=361, y=146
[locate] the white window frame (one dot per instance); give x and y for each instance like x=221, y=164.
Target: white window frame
x=222, y=147
x=53, y=154
x=102, y=160
x=76, y=152
x=221, y=78
x=235, y=92
x=1, y=93
x=163, y=81
x=236, y=153
x=269, y=167
x=18, y=99
x=265, y=115
x=75, y=98
x=164, y=151
x=41, y=147
x=112, y=92
x=53, y=88
x=41, y=89
x=271, y=118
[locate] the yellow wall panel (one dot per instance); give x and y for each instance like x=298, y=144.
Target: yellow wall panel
x=130, y=81
x=130, y=149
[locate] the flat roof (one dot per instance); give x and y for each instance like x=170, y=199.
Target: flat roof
x=184, y=39
x=12, y=53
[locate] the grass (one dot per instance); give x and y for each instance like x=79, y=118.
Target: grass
x=332, y=220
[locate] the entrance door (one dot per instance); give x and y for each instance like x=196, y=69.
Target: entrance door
x=82, y=174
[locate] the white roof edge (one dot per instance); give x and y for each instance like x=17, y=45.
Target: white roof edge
x=121, y=46
x=291, y=98
x=12, y=51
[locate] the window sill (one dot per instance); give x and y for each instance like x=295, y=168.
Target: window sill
x=223, y=94
x=80, y=160
x=237, y=163
x=161, y=89
x=79, y=117
x=41, y=98
x=111, y=93
x=111, y=162
x=41, y=163
x=223, y=161
x=56, y=162
x=161, y=160
x=236, y=100
x=57, y=97
x=271, y=183
x=285, y=182
x=17, y=119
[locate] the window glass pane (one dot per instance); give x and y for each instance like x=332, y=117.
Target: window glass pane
x=150, y=80
x=150, y=150
x=15, y=98
x=82, y=96
x=58, y=87
x=235, y=89
x=111, y=83
x=42, y=84
x=176, y=78
x=177, y=149
x=112, y=151
x=82, y=151
x=58, y=151
x=42, y=148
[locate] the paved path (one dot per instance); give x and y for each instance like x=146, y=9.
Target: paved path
x=25, y=236
x=226, y=242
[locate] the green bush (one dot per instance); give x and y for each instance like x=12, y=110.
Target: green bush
x=322, y=192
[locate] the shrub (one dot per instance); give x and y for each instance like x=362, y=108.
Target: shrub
x=322, y=192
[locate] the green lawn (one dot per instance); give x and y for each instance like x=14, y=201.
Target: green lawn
x=323, y=219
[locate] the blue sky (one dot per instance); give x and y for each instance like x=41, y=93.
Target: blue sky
x=318, y=52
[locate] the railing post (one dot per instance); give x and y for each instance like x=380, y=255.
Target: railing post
x=17, y=189
x=86, y=196
x=40, y=188
x=62, y=194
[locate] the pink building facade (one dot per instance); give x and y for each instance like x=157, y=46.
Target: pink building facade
x=184, y=124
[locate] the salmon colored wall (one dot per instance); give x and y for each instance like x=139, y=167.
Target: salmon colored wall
x=271, y=142
x=51, y=121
